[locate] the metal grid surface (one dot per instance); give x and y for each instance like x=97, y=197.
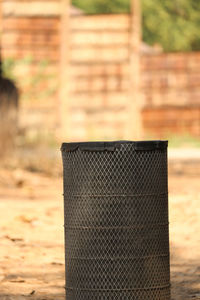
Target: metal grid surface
x=116, y=223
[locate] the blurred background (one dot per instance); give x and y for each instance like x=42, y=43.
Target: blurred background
x=93, y=70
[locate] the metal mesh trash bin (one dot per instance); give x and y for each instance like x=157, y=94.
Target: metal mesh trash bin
x=116, y=220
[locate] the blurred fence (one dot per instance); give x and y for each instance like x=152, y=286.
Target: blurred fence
x=171, y=90
x=99, y=74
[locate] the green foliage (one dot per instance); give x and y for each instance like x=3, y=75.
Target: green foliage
x=103, y=6
x=172, y=24
x=37, y=85
x=8, y=66
x=183, y=141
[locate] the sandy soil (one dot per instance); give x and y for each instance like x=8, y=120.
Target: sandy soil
x=31, y=237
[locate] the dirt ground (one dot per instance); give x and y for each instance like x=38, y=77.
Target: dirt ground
x=31, y=236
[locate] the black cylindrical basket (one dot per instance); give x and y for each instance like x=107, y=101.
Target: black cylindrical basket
x=116, y=220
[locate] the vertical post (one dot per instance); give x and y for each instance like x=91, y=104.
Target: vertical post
x=1, y=32
x=64, y=68
x=1, y=16
x=134, y=124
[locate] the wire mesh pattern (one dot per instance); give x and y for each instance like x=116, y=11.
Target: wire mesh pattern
x=116, y=222
x=158, y=293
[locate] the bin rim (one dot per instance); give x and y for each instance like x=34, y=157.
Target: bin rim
x=113, y=145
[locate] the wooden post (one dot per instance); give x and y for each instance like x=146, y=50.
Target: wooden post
x=1, y=15
x=1, y=32
x=1, y=35
x=64, y=69
x=134, y=124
